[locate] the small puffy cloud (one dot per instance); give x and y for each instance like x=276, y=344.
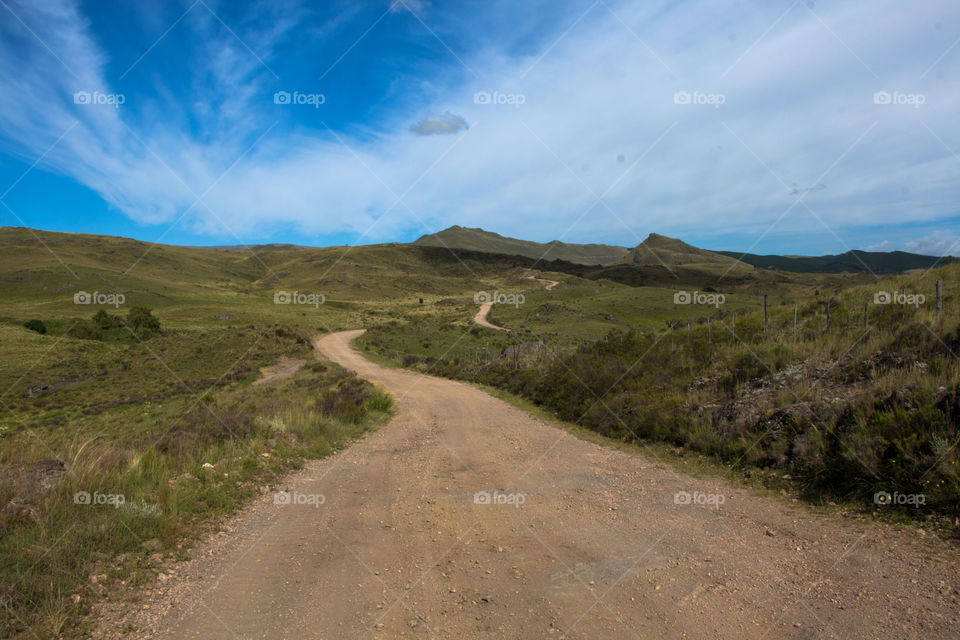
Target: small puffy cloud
x=938, y=243
x=434, y=125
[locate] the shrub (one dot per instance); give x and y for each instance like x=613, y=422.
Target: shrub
x=142, y=321
x=345, y=401
x=102, y=320
x=380, y=401
x=36, y=325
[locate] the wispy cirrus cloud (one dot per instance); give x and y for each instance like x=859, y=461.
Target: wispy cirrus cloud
x=678, y=119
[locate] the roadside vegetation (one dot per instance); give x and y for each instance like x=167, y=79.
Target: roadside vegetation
x=843, y=408
x=116, y=453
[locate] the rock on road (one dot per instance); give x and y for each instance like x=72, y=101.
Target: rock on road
x=578, y=541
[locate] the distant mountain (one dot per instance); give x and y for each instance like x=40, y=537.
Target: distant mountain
x=479, y=240
x=670, y=253
x=850, y=262
x=278, y=246
x=658, y=251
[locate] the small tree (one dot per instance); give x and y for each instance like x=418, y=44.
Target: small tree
x=36, y=325
x=141, y=320
x=102, y=320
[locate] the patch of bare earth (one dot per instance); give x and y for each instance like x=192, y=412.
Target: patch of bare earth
x=282, y=369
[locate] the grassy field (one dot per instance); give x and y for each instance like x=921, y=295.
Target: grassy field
x=165, y=427
x=166, y=433
x=164, y=437
x=131, y=418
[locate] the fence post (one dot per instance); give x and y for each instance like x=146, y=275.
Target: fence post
x=866, y=315
x=939, y=297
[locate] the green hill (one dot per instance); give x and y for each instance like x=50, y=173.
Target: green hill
x=479, y=240
x=850, y=262
x=42, y=271
x=661, y=251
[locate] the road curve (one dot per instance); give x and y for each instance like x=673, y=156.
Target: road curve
x=549, y=284
x=481, y=317
x=578, y=541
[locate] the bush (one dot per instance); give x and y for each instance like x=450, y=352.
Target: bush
x=142, y=321
x=102, y=320
x=380, y=401
x=346, y=401
x=743, y=368
x=36, y=325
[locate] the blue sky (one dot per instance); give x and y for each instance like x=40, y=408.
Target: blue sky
x=772, y=127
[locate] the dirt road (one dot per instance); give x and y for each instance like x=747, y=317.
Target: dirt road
x=576, y=541
x=550, y=284
x=481, y=317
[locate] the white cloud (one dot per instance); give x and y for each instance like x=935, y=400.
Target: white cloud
x=797, y=113
x=886, y=245
x=938, y=243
